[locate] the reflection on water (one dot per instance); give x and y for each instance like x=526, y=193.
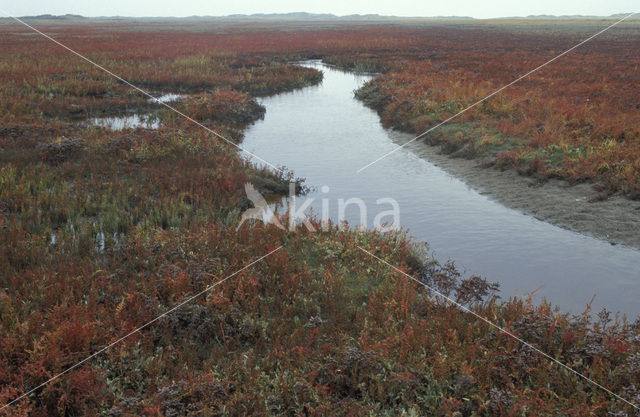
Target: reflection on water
x=130, y=121
x=324, y=135
x=135, y=120
x=167, y=98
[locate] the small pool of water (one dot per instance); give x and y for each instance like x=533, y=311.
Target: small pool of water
x=130, y=121
x=167, y=98
x=324, y=135
x=135, y=120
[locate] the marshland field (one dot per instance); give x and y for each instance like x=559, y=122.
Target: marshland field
x=520, y=218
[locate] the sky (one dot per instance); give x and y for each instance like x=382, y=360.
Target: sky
x=473, y=8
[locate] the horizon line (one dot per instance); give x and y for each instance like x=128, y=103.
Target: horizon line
x=301, y=15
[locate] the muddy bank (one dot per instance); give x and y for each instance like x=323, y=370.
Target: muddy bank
x=616, y=220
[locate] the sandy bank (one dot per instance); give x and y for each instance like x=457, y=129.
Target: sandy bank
x=616, y=220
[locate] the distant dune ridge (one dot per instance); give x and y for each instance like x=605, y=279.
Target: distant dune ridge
x=316, y=16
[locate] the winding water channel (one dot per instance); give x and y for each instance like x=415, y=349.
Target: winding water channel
x=324, y=135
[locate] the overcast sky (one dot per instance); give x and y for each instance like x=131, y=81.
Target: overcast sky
x=474, y=8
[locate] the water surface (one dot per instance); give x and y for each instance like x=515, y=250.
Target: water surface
x=324, y=135
x=135, y=120
x=130, y=121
